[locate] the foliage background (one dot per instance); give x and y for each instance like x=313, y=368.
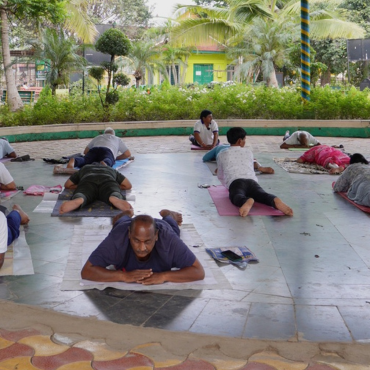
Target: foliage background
x=174, y=103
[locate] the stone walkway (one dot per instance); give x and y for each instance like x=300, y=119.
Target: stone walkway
x=172, y=144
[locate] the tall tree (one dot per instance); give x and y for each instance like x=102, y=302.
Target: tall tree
x=23, y=9
x=61, y=55
x=130, y=16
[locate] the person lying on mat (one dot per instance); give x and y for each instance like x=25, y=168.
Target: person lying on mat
x=6, y=179
x=355, y=180
x=326, y=156
x=298, y=139
x=104, y=149
x=236, y=173
x=205, y=132
x=96, y=182
x=6, y=150
x=144, y=250
x=9, y=228
x=213, y=153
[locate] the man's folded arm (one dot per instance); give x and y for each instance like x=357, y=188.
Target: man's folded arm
x=101, y=274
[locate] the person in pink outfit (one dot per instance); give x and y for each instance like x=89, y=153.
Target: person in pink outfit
x=326, y=156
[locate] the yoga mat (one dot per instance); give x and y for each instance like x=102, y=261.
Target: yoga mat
x=3, y=160
x=359, y=206
x=18, y=260
x=195, y=147
x=87, y=237
x=298, y=149
x=220, y=196
x=290, y=165
x=95, y=209
x=7, y=194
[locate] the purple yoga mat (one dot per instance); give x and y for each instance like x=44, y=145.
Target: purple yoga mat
x=220, y=196
x=194, y=147
x=3, y=160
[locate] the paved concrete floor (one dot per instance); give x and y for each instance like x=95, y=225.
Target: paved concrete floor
x=312, y=282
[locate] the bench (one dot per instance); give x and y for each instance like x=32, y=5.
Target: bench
x=27, y=96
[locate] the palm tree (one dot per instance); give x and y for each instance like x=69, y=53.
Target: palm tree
x=78, y=20
x=60, y=54
x=265, y=45
x=172, y=56
x=142, y=57
x=255, y=35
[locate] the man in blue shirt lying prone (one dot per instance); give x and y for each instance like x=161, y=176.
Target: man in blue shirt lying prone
x=144, y=250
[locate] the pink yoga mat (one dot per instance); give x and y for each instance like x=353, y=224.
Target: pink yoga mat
x=359, y=206
x=194, y=147
x=3, y=160
x=220, y=196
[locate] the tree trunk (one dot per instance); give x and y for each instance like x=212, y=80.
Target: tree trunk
x=271, y=79
x=325, y=77
x=184, y=69
x=174, y=73
x=14, y=100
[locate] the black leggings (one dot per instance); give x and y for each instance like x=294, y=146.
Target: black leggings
x=241, y=190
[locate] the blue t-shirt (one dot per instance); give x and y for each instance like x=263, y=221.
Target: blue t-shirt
x=169, y=250
x=213, y=153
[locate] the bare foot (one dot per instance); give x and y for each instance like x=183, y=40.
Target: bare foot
x=266, y=170
x=300, y=160
x=175, y=215
x=103, y=163
x=129, y=213
x=246, y=207
x=121, y=204
x=70, y=205
x=24, y=216
x=281, y=206
x=71, y=163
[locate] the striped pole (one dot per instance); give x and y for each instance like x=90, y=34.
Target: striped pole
x=305, y=51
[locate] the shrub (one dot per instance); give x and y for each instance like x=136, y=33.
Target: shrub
x=178, y=103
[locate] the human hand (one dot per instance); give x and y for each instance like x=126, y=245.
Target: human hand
x=155, y=278
x=136, y=276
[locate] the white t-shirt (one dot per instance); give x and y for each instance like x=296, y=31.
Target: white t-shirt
x=293, y=138
x=5, y=177
x=3, y=233
x=112, y=142
x=235, y=163
x=5, y=148
x=206, y=135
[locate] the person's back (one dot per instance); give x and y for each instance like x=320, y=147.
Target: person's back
x=234, y=163
x=6, y=150
x=96, y=170
x=109, y=141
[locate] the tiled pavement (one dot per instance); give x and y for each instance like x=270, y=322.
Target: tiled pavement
x=30, y=349
x=38, y=349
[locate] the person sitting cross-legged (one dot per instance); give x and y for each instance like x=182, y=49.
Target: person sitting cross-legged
x=96, y=182
x=236, y=173
x=144, y=250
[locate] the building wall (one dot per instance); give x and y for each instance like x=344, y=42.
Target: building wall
x=218, y=60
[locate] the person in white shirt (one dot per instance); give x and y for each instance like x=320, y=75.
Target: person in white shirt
x=205, y=132
x=6, y=179
x=104, y=149
x=6, y=150
x=299, y=139
x=9, y=228
x=235, y=170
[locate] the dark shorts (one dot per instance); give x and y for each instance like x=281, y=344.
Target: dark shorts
x=91, y=191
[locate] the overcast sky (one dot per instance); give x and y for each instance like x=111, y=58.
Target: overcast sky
x=164, y=8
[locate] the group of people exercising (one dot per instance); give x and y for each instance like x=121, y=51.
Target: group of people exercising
x=146, y=250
